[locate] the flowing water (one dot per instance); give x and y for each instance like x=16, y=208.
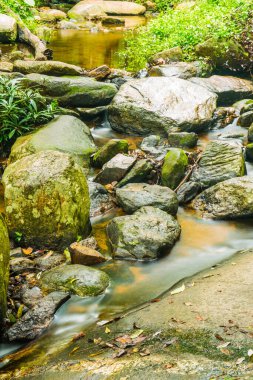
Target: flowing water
x=203, y=243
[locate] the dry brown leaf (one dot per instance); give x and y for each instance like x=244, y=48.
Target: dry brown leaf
x=225, y=351
x=145, y=352
x=188, y=304
x=78, y=336
x=27, y=251
x=224, y=345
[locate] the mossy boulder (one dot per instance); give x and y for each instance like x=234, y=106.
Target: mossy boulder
x=221, y=160
x=46, y=200
x=246, y=119
x=138, y=173
x=47, y=67
x=145, y=235
x=174, y=167
x=229, y=199
x=183, y=139
x=72, y=91
x=65, y=133
x=8, y=29
x=226, y=54
x=108, y=151
x=76, y=279
x=243, y=105
x=4, y=267
x=250, y=133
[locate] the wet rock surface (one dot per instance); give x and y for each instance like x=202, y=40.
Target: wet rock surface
x=56, y=179
x=73, y=91
x=183, y=139
x=140, y=172
x=115, y=169
x=230, y=199
x=227, y=88
x=145, y=106
x=100, y=199
x=81, y=254
x=64, y=133
x=187, y=192
x=221, y=160
x=76, y=279
x=174, y=168
x=35, y=321
x=108, y=151
x=136, y=195
x=145, y=235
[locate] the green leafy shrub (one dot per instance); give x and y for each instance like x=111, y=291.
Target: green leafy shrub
x=23, y=8
x=21, y=109
x=186, y=28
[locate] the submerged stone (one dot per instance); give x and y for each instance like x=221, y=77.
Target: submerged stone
x=221, y=160
x=76, y=279
x=229, y=199
x=145, y=235
x=46, y=200
x=136, y=195
x=4, y=267
x=161, y=105
x=65, y=133
x=108, y=151
x=174, y=167
x=73, y=91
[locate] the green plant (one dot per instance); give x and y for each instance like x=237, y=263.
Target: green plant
x=186, y=28
x=21, y=109
x=23, y=8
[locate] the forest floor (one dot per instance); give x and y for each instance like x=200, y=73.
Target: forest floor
x=201, y=329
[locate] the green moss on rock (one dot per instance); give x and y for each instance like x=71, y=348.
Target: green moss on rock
x=76, y=279
x=108, y=151
x=46, y=199
x=173, y=169
x=4, y=267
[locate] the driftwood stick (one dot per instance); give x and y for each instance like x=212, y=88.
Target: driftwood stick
x=188, y=174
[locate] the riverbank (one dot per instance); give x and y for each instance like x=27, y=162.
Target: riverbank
x=201, y=329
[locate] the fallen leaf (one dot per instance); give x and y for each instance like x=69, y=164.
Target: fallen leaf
x=20, y=311
x=239, y=361
x=188, y=304
x=47, y=255
x=156, y=333
x=219, y=337
x=155, y=300
x=74, y=350
x=107, y=330
x=145, y=352
x=250, y=353
x=178, y=290
x=27, y=251
x=225, y=351
x=124, y=340
x=103, y=322
x=199, y=318
x=169, y=365
x=136, y=334
x=224, y=345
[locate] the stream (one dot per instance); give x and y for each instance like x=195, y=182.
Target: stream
x=203, y=243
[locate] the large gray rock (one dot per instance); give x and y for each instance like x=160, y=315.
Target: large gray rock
x=229, y=89
x=220, y=161
x=4, y=267
x=47, y=67
x=159, y=105
x=76, y=279
x=46, y=200
x=8, y=29
x=35, y=321
x=136, y=195
x=144, y=235
x=227, y=200
x=115, y=169
x=65, y=133
x=181, y=70
x=88, y=9
x=73, y=91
